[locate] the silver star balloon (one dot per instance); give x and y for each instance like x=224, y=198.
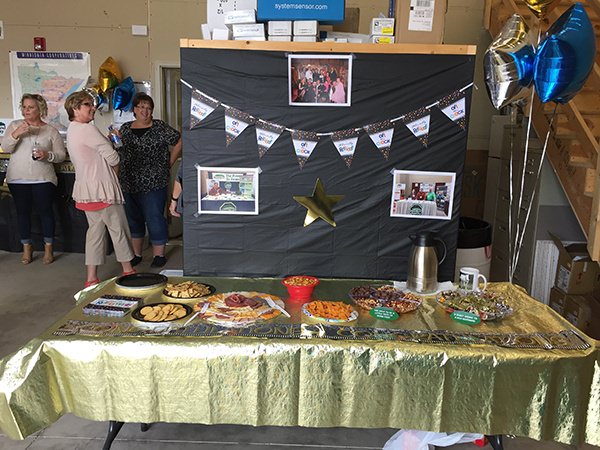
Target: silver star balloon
x=508, y=63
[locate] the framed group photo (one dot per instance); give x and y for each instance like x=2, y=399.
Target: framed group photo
x=317, y=80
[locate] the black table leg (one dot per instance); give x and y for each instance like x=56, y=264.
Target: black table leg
x=144, y=427
x=495, y=441
x=113, y=429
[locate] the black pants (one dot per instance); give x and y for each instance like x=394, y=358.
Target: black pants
x=36, y=197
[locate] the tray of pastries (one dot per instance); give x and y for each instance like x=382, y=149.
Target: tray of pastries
x=369, y=297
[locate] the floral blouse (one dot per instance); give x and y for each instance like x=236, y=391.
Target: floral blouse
x=145, y=160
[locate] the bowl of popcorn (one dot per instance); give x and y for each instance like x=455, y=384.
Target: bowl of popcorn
x=300, y=287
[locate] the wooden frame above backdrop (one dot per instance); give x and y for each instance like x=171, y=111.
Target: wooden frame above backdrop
x=332, y=47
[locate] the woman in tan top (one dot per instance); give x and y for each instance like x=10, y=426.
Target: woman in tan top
x=96, y=190
x=31, y=177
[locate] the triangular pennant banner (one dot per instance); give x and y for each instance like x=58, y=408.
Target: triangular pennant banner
x=418, y=123
x=304, y=144
x=381, y=134
x=236, y=121
x=266, y=134
x=345, y=142
x=200, y=108
x=454, y=107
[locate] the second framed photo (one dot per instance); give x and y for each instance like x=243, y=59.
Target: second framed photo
x=422, y=195
x=227, y=190
x=317, y=80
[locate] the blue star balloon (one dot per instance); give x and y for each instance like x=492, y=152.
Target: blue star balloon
x=565, y=57
x=123, y=95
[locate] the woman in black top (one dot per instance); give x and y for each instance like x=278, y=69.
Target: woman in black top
x=150, y=148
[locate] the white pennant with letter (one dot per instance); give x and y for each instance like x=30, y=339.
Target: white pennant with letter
x=382, y=140
x=456, y=112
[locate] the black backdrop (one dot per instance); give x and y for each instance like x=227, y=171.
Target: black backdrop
x=367, y=242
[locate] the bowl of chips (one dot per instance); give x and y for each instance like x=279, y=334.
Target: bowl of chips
x=300, y=287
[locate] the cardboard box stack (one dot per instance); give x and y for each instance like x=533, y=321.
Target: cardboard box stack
x=576, y=291
x=382, y=31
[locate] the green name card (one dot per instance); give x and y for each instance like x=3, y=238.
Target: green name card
x=384, y=313
x=465, y=317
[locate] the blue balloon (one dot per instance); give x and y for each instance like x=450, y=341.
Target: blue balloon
x=565, y=57
x=123, y=95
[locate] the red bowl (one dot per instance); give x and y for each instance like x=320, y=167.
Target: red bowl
x=299, y=291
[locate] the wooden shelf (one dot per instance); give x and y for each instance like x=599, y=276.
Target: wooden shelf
x=331, y=47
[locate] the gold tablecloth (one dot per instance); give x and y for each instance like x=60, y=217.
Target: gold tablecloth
x=542, y=394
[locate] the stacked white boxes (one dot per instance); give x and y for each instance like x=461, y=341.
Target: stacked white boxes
x=305, y=30
x=382, y=30
x=280, y=30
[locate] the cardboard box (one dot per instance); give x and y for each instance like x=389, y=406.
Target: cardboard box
x=576, y=272
x=305, y=39
x=420, y=21
x=221, y=34
x=583, y=311
x=306, y=28
x=280, y=38
x=578, y=311
x=250, y=38
x=280, y=28
x=301, y=10
x=557, y=301
x=240, y=16
x=382, y=26
x=216, y=10
x=248, y=30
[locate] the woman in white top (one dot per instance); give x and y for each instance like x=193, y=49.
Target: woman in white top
x=31, y=177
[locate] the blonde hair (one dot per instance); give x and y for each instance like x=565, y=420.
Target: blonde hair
x=39, y=100
x=74, y=101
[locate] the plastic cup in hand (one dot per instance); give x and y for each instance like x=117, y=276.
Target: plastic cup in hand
x=35, y=151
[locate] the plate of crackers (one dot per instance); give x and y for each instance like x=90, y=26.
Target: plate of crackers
x=188, y=290
x=333, y=312
x=160, y=313
x=369, y=297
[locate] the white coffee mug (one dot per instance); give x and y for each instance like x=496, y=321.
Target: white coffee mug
x=469, y=279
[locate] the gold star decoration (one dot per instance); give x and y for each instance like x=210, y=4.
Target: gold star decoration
x=319, y=204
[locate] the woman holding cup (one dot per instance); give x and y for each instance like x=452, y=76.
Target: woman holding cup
x=31, y=177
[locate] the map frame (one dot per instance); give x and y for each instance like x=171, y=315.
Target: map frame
x=54, y=75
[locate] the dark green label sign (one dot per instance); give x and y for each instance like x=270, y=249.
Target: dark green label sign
x=384, y=313
x=228, y=206
x=465, y=317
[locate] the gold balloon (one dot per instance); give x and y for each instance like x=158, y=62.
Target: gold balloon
x=541, y=7
x=109, y=74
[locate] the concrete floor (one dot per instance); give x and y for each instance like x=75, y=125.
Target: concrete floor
x=27, y=312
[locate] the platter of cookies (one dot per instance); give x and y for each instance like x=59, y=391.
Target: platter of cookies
x=332, y=312
x=187, y=290
x=159, y=313
x=239, y=309
x=369, y=297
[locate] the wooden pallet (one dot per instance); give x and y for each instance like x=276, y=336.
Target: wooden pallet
x=573, y=145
